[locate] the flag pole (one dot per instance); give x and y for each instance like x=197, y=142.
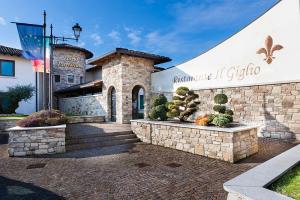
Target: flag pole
x=44, y=77
x=51, y=66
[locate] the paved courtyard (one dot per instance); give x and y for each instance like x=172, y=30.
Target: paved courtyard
x=138, y=171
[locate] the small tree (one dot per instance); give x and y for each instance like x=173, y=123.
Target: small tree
x=159, y=109
x=14, y=95
x=184, y=104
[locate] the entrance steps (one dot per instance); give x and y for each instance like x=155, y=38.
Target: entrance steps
x=89, y=135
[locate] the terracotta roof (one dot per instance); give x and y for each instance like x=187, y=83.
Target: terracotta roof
x=88, y=54
x=156, y=58
x=79, y=87
x=10, y=51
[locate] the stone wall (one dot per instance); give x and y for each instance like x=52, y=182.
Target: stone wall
x=91, y=105
x=276, y=107
x=228, y=144
x=5, y=124
x=33, y=141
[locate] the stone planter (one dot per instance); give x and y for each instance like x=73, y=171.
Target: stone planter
x=228, y=144
x=36, y=140
x=5, y=124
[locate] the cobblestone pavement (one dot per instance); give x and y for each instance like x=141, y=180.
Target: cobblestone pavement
x=138, y=171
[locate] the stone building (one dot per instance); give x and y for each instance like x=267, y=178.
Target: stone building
x=117, y=86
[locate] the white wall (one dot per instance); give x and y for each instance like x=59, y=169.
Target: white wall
x=235, y=62
x=24, y=75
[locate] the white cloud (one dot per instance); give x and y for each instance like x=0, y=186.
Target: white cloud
x=200, y=15
x=169, y=42
x=96, y=38
x=115, y=36
x=134, y=36
x=81, y=44
x=2, y=21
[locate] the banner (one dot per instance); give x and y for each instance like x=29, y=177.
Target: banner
x=38, y=65
x=32, y=40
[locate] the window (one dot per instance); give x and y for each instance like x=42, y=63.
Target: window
x=70, y=78
x=141, y=102
x=7, y=68
x=57, y=78
x=81, y=79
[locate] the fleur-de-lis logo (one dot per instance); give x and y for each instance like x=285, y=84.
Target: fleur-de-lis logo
x=269, y=49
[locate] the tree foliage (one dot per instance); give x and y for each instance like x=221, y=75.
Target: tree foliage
x=13, y=96
x=159, y=108
x=184, y=104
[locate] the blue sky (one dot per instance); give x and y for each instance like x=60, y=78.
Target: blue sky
x=180, y=30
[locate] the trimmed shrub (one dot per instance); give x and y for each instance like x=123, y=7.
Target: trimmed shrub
x=229, y=112
x=184, y=104
x=221, y=120
x=159, y=108
x=43, y=118
x=224, y=116
x=219, y=108
x=221, y=99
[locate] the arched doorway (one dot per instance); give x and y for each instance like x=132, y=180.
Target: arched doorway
x=138, y=101
x=112, y=104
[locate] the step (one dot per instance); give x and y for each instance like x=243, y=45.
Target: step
x=101, y=144
x=85, y=119
x=93, y=135
x=71, y=141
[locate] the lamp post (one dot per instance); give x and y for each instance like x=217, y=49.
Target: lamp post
x=53, y=40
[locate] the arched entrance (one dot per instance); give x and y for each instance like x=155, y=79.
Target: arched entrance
x=112, y=104
x=138, y=101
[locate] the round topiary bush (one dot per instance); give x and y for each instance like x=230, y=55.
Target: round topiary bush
x=43, y=118
x=221, y=120
x=229, y=112
x=221, y=99
x=159, y=108
x=159, y=100
x=219, y=108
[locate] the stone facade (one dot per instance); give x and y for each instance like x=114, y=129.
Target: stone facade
x=38, y=140
x=276, y=107
x=228, y=144
x=123, y=73
x=91, y=105
x=68, y=62
x=128, y=72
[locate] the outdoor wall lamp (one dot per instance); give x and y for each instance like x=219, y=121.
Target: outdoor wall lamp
x=77, y=29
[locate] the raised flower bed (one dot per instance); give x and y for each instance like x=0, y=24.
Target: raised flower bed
x=40, y=133
x=228, y=144
x=24, y=141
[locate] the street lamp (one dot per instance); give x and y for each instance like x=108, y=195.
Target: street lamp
x=53, y=40
x=77, y=29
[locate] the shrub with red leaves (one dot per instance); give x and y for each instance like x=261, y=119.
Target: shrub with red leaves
x=43, y=118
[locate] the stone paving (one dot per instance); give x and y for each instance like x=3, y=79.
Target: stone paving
x=139, y=171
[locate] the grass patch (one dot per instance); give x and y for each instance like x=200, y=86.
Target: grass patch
x=288, y=184
x=16, y=116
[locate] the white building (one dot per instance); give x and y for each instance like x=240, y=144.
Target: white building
x=16, y=70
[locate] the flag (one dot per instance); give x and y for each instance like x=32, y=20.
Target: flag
x=38, y=65
x=32, y=40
